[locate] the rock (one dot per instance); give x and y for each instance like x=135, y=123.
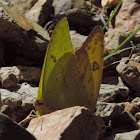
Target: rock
x=4, y=71
x=9, y=81
x=1, y=104
x=125, y=122
x=113, y=93
x=115, y=116
x=29, y=74
x=22, y=6
x=2, y=53
x=81, y=16
x=137, y=115
x=11, y=130
x=96, y=3
x=130, y=73
x=108, y=111
x=136, y=101
x=25, y=122
x=20, y=99
x=67, y=124
x=133, y=135
x=125, y=22
x=129, y=107
x=22, y=73
x=22, y=37
x=109, y=137
x=138, y=123
x=5, y=2
x=40, y=12
x=77, y=39
x=22, y=61
x=136, y=57
x=130, y=11
x=136, y=94
x=112, y=80
x=7, y=110
x=109, y=3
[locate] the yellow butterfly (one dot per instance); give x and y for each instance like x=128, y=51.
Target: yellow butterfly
x=70, y=78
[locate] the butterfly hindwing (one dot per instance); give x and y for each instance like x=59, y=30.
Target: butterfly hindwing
x=65, y=86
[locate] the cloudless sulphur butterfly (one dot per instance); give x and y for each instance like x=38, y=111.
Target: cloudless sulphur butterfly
x=70, y=78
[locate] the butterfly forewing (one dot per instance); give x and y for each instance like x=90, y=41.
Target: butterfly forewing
x=90, y=60
x=59, y=44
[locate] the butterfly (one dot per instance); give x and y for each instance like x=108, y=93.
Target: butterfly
x=70, y=78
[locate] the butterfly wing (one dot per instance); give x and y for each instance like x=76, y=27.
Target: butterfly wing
x=76, y=79
x=59, y=44
x=90, y=60
x=68, y=79
x=65, y=86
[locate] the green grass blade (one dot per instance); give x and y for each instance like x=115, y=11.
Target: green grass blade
x=119, y=51
x=126, y=40
x=112, y=14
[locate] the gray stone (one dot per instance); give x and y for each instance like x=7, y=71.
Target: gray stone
x=11, y=130
x=112, y=80
x=20, y=99
x=108, y=111
x=23, y=37
x=7, y=110
x=74, y=123
x=109, y=3
x=129, y=107
x=80, y=14
x=22, y=6
x=40, y=12
x=133, y=135
x=77, y=39
x=113, y=93
x=137, y=115
x=136, y=101
x=2, y=53
x=9, y=81
x=115, y=116
x=130, y=73
x=22, y=73
x=126, y=21
x=109, y=137
x=136, y=94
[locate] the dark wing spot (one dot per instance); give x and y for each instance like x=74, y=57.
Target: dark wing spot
x=93, y=50
x=64, y=81
x=82, y=76
x=95, y=41
x=89, y=47
x=90, y=79
x=95, y=66
x=54, y=58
